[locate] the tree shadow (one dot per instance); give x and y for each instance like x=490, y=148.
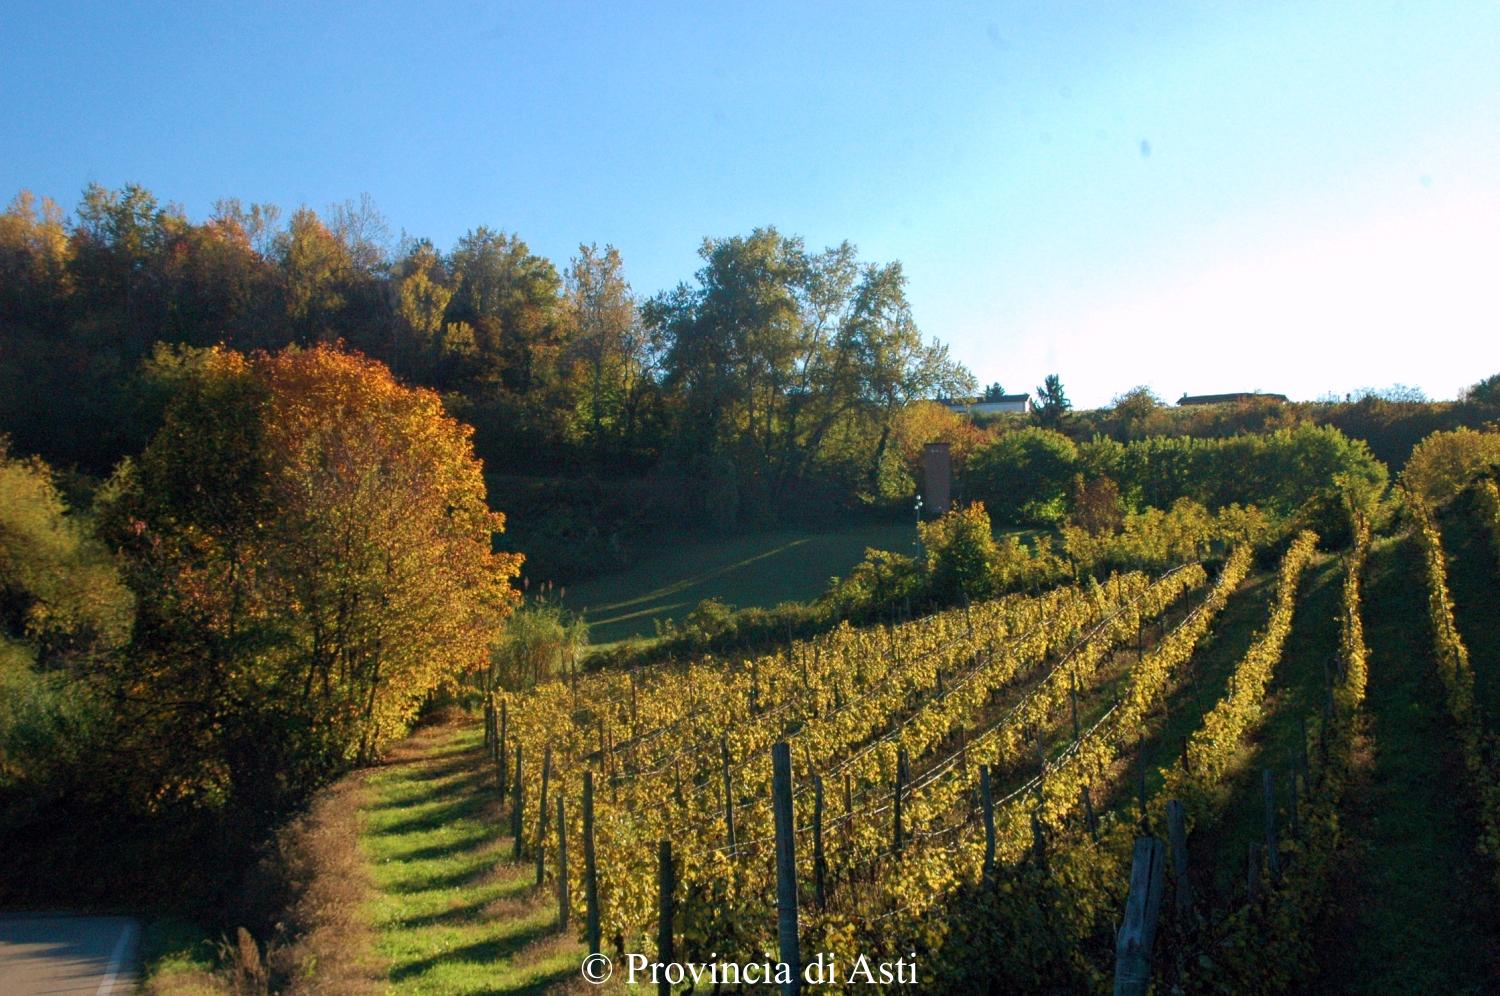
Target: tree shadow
x=481, y=952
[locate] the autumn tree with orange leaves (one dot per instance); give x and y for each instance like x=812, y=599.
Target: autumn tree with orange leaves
x=311, y=549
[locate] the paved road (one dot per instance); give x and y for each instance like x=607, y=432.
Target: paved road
x=64, y=955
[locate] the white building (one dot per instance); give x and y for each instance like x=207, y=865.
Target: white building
x=1009, y=404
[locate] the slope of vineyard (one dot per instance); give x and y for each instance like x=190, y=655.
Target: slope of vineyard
x=848, y=703
x=1056, y=703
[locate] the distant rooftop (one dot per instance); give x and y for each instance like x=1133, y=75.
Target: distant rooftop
x=1227, y=399
x=1007, y=404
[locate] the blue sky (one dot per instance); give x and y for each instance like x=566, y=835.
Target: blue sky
x=1201, y=197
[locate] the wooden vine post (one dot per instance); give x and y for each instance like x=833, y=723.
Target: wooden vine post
x=848, y=807
x=1273, y=859
x=665, y=881
x=500, y=750
x=590, y=869
x=820, y=864
x=899, y=839
x=541, y=815
x=987, y=801
x=1089, y=819
x=786, y=866
x=516, y=800
x=1073, y=699
x=728, y=795
x=1142, y=907
x=1177, y=836
x=562, y=865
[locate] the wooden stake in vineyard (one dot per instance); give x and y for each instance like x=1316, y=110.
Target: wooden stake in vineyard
x=1177, y=835
x=500, y=749
x=562, y=865
x=728, y=795
x=1089, y=819
x=820, y=865
x=1273, y=858
x=590, y=869
x=1142, y=907
x=848, y=807
x=541, y=815
x=899, y=840
x=666, y=885
x=786, y=865
x=516, y=800
x=987, y=802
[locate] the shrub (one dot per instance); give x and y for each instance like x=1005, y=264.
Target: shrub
x=961, y=554
x=1023, y=477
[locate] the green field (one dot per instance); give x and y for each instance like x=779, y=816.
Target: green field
x=745, y=571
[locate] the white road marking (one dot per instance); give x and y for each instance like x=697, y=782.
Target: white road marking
x=117, y=960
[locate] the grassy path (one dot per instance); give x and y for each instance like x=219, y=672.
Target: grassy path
x=1296, y=692
x=1410, y=913
x=1473, y=583
x=453, y=914
x=1204, y=681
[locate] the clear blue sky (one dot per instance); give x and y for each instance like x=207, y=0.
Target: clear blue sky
x=1202, y=197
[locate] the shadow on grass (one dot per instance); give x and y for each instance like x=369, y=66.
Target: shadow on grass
x=482, y=839
x=544, y=984
x=465, y=763
x=480, y=952
x=474, y=792
x=433, y=815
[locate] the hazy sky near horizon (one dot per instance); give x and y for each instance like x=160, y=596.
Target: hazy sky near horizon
x=1302, y=198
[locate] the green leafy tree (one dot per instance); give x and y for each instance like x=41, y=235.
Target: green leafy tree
x=608, y=341
x=961, y=553
x=787, y=363
x=1051, y=402
x=1024, y=476
x=316, y=271
x=1133, y=408
x=1486, y=392
x=64, y=609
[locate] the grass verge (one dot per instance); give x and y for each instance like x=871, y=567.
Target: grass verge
x=450, y=911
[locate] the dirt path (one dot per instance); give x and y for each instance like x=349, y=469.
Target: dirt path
x=67, y=954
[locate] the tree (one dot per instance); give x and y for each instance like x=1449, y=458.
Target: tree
x=364, y=232
x=1133, y=408
x=1051, y=402
x=896, y=366
x=34, y=258
x=993, y=393
x=1445, y=463
x=63, y=610
x=961, y=553
x=311, y=549
x=605, y=339
x=512, y=299
x=786, y=362
x=316, y=270
x=1486, y=392
x=1097, y=507
x=1023, y=477
x=422, y=298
